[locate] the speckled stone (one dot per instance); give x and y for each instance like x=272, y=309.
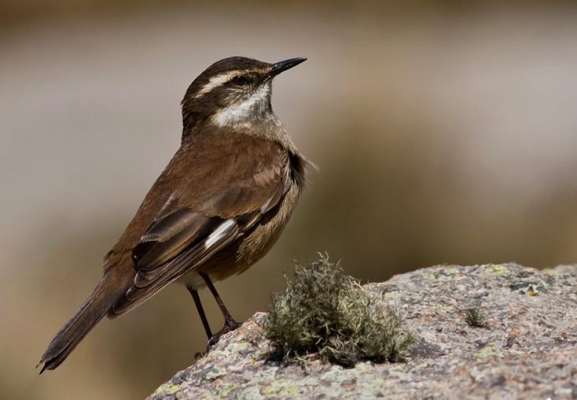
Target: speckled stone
x=528, y=348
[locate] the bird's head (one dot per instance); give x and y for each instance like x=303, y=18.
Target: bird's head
x=233, y=91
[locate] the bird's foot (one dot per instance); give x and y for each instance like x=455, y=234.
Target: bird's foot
x=229, y=326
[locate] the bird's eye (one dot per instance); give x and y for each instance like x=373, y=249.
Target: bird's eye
x=240, y=80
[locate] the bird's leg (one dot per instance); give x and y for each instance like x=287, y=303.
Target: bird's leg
x=194, y=293
x=229, y=323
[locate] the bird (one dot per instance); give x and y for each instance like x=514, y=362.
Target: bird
x=217, y=208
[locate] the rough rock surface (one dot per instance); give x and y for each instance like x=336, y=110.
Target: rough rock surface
x=528, y=348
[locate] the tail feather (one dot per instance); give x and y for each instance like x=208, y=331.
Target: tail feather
x=91, y=312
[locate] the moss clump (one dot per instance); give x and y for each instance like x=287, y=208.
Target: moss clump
x=327, y=312
x=475, y=318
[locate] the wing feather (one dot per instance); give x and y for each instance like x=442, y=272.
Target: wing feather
x=148, y=283
x=201, y=219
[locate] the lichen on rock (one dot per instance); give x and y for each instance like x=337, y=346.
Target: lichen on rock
x=525, y=349
x=326, y=312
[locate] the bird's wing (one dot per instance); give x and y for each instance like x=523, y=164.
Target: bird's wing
x=200, y=220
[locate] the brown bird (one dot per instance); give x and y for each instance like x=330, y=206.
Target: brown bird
x=216, y=209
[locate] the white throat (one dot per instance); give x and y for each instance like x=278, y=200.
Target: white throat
x=246, y=111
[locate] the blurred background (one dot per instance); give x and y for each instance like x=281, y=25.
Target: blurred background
x=445, y=132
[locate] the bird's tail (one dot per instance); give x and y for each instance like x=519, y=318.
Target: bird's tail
x=91, y=312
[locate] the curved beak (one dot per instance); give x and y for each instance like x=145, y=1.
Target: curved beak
x=282, y=66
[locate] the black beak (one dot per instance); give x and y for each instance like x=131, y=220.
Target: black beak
x=282, y=66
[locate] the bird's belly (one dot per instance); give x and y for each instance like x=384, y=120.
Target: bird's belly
x=217, y=268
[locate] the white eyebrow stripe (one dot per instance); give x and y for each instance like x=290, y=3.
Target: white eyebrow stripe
x=214, y=82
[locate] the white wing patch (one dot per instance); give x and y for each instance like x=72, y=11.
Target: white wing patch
x=218, y=233
x=168, y=203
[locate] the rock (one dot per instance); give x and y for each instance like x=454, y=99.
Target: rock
x=526, y=347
